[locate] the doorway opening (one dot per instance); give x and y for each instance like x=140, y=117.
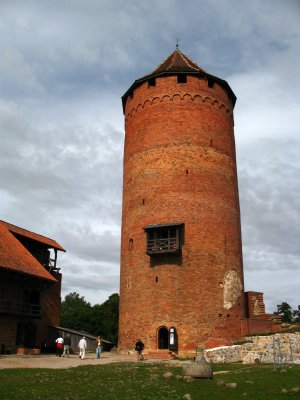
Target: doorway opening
x=163, y=338
x=26, y=334
x=167, y=338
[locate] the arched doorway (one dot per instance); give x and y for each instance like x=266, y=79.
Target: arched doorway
x=167, y=338
x=163, y=338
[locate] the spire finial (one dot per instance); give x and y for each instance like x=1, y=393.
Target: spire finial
x=177, y=44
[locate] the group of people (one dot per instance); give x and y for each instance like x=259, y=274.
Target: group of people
x=63, y=346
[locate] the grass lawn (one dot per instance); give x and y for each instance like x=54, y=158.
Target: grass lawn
x=145, y=381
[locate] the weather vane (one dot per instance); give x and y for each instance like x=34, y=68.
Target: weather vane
x=177, y=43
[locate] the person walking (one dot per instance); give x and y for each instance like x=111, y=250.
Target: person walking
x=98, y=347
x=82, y=347
x=59, y=346
x=139, y=347
x=67, y=345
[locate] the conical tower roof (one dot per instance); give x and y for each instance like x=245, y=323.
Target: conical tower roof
x=178, y=63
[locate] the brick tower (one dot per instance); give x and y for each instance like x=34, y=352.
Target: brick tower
x=181, y=255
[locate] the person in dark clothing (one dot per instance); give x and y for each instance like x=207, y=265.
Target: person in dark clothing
x=139, y=347
x=67, y=345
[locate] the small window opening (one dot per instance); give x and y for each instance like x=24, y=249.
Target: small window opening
x=156, y=279
x=128, y=282
x=151, y=82
x=186, y=171
x=210, y=83
x=181, y=78
x=143, y=202
x=130, y=245
x=211, y=143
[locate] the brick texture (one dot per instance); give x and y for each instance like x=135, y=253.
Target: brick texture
x=180, y=165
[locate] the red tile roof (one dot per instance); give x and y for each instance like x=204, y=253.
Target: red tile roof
x=15, y=257
x=50, y=243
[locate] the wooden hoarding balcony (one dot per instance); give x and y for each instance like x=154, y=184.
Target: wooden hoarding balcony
x=19, y=308
x=163, y=246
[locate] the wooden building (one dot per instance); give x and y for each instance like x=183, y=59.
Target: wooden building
x=30, y=286
x=75, y=336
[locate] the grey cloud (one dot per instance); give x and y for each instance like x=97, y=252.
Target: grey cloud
x=92, y=241
x=269, y=172
x=63, y=166
x=96, y=288
x=63, y=69
x=281, y=287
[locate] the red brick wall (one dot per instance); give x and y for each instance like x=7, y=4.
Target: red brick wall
x=255, y=304
x=252, y=326
x=179, y=165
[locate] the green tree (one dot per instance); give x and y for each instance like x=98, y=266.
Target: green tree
x=106, y=318
x=296, y=315
x=100, y=319
x=285, y=311
x=76, y=313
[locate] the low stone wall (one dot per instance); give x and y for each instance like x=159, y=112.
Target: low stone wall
x=223, y=354
x=285, y=347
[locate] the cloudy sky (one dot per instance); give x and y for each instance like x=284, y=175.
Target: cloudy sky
x=64, y=66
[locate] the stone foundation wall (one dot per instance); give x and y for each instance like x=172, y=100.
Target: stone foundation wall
x=260, y=349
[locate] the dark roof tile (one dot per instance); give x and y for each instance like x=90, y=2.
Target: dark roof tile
x=178, y=63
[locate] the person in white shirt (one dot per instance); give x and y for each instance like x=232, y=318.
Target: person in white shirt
x=59, y=346
x=82, y=347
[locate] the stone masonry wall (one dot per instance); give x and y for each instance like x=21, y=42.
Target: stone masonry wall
x=259, y=349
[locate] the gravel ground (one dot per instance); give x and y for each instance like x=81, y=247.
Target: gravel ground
x=51, y=361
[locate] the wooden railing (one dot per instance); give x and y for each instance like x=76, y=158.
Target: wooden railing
x=165, y=245
x=19, y=308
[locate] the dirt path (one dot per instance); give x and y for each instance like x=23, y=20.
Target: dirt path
x=51, y=361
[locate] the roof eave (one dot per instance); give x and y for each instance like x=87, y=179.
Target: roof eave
x=44, y=278
x=162, y=225
x=139, y=81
